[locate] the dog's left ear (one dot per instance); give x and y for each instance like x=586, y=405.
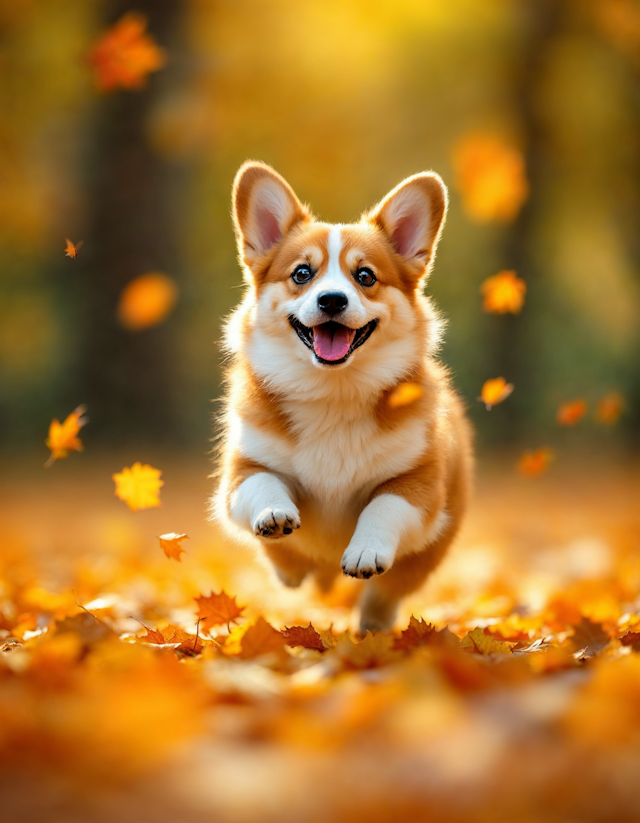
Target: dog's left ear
x=412, y=216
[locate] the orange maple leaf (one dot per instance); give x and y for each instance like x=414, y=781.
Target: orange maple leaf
x=138, y=486
x=631, y=639
x=571, y=413
x=72, y=249
x=218, y=609
x=170, y=544
x=609, y=409
x=404, y=394
x=147, y=300
x=125, y=55
x=373, y=651
x=188, y=643
x=418, y=633
x=534, y=463
x=253, y=639
x=153, y=636
x=503, y=293
x=490, y=174
x=482, y=643
x=63, y=437
x=495, y=391
x=305, y=636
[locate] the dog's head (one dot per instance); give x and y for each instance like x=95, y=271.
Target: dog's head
x=328, y=296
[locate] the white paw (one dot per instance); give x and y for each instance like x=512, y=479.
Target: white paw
x=364, y=562
x=276, y=522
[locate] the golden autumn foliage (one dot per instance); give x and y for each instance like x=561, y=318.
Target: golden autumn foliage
x=138, y=486
x=147, y=301
x=503, y=293
x=491, y=177
x=571, y=412
x=63, y=437
x=473, y=681
x=494, y=391
x=125, y=55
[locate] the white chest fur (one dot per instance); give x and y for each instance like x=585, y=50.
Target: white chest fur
x=335, y=456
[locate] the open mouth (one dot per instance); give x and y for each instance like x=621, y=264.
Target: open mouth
x=332, y=342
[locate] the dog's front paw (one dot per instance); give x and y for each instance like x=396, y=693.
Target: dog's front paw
x=276, y=522
x=364, y=562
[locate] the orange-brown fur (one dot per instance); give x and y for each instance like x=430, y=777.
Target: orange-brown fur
x=268, y=416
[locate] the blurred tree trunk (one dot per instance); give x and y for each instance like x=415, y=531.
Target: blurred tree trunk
x=128, y=377
x=543, y=22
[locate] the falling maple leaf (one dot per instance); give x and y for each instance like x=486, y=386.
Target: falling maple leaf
x=63, y=437
x=503, y=293
x=404, y=394
x=72, y=249
x=609, y=409
x=170, y=544
x=571, y=413
x=125, y=55
x=146, y=301
x=218, y=609
x=495, y=391
x=535, y=463
x=305, y=636
x=483, y=643
x=490, y=174
x=138, y=486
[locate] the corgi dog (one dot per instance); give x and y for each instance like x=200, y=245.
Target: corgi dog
x=323, y=462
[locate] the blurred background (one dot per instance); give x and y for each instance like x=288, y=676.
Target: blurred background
x=529, y=109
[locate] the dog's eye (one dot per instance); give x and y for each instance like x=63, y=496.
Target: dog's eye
x=302, y=274
x=365, y=277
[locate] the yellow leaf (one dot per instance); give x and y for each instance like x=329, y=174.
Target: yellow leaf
x=503, y=293
x=495, y=391
x=138, y=486
x=63, y=437
x=147, y=300
x=481, y=643
x=170, y=544
x=491, y=177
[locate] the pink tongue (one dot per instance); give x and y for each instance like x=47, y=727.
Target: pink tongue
x=332, y=341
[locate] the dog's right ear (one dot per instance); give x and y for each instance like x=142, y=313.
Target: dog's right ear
x=265, y=208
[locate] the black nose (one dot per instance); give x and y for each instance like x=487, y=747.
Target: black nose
x=332, y=302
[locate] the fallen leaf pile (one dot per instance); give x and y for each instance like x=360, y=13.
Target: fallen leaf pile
x=508, y=691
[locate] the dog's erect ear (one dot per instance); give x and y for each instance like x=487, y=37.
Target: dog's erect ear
x=411, y=216
x=265, y=208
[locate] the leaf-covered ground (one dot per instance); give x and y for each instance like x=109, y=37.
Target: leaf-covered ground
x=512, y=694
